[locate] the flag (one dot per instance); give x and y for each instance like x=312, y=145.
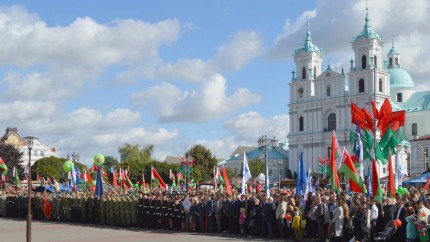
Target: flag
x=46, y=208
x=155, y=175
x=369, y=183
x=391, y=192
x=99, y=184
x=301, y=177
x=359, y=152
x=180, y=176
x=426, y=186
x=143, y=182
x=3, y=167
x=115, y=180
x=227, y=183
x=127, y=181
x=399, y=171
x=335, y=151
x=78, y=174
x=308, y=184
x=16, y=178
x=171, y=176
x=246, y=174
x=370, y=124
x=377, y=191
x=73, y=174
x=357, y=116
x=317, y=183
x=267, y=182
x=348, y=168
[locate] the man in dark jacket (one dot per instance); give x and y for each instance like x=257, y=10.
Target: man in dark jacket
x=269, y=216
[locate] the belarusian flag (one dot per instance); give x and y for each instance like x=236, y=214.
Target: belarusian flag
x=335, y=152
x=3, y=167
x=16, y=178
x=227, y=183
x=155, y=175
x=391, y=192
x=89, y=179
x=171, y=176
x=115, y=180
x=180, y=177
x=127, y=181
x=348, y=168
x=377, y=191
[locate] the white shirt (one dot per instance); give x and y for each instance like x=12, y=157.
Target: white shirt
x=374, y=212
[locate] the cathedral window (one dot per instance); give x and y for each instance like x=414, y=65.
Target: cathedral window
x=363, y=62
x=332, y=122
x=328, y=91
x=304, y=73
x=397, y=61
x=315, y=72
x=380, y=85
x=391, y=61
x=361, y=85
x=301, y=124
x=375, y=60
x=414, y=129
x=399, y=97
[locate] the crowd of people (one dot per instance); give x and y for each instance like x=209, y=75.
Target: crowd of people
x=321, y=215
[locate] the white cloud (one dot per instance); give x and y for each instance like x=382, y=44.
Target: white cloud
x=75, y=53
x=332, y=28
x=210, y=102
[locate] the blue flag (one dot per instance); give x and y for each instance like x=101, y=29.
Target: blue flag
x=301, y=177
x=78, y=175
x=369, y=183
x=99, y=184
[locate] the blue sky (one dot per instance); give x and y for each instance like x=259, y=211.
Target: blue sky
x=88, y=76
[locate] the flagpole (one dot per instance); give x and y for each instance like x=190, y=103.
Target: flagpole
x=373, y=63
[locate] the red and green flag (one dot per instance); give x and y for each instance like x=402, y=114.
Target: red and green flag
x=3, y=167
x=377, y=191
x=391, y=191
x=155, y=175
x=348, y=168
x=335, y=152
x=16, y=178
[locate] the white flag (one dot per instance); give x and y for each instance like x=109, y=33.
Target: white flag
x=399, y=171
x=246, y=174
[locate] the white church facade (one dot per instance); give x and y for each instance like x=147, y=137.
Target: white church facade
x=320, y=98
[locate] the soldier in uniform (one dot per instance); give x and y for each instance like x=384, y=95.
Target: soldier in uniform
x=146, y=211
x=53, y=201
x=177, y=214
x=133, y=210
x=183, y=214
x=164, y=215
x=157, y=204
x=107, y=209
x=102, y=210
x=127, y=207
x=112, y=210
x=140, y=204
x=170, y=208
x=152, y=214
x=83, y=207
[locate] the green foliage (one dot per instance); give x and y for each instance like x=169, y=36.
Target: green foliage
x=52, y=167
x=256, y=166
x=204, y=162
x=110, y=162
x=231, y=172
x=132, y=153
x=13, y=158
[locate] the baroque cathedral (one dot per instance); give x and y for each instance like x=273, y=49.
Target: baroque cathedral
x=320, y=99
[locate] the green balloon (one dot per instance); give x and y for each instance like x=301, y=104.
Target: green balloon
x=68, y=166
x=99, y=159
x=174, y=185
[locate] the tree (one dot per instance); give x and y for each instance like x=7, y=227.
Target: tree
x=110, y=162
x=132, y=153
x=52, y=167
x=12, y=158
x=204, y=162
x=256, y=166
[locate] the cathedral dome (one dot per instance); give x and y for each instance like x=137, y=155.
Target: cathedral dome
x=399, y=78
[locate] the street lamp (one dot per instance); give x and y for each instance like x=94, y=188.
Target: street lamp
x=29, y=142
x=264, y=143
x=279, y=163
x=425, y=155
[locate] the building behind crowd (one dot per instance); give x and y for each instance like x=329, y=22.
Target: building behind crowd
x=39, y=150
x=320, y=100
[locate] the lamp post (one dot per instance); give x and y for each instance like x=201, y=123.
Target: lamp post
x=425, y=156
x=278, y=163
x=29, y=142
x=264, y=143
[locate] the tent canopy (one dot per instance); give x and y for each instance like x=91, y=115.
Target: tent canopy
x=418, y=180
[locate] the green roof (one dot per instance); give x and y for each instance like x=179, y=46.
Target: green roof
x=419, y=101
x=367, y=32
x=399, y=78
x=308, y=46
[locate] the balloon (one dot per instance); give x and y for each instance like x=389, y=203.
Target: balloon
x=288, y=217
x=397, y=223
x=3, y=171
x=99, y=159
x=174, y=185
x=68, y=166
